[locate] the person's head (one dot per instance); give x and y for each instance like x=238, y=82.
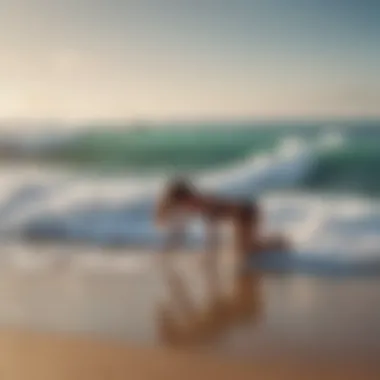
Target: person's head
x=180, y=191
x=248, y=213
x=178, y=194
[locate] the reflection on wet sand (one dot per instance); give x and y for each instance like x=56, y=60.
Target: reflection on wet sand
x=180, y=322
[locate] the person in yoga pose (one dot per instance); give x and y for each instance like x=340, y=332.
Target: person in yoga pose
x=182, y=198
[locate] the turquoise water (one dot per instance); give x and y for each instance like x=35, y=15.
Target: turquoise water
x=193, y=148
x=318, y=183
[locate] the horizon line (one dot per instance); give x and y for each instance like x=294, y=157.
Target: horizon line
x=189, y=119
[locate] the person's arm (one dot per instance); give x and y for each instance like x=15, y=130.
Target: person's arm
x=177, y=289
x=162, y=211
x=174, y=237
x=211, y=269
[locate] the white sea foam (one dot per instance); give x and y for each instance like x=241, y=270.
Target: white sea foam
x=101, y=211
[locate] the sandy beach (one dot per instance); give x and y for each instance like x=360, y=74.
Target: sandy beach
x=135, y=131
x=26, y=355
x=127, y=320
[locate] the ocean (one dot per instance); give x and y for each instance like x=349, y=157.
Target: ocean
x=317, y=181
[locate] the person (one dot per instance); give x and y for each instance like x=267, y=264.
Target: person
x=180, y=197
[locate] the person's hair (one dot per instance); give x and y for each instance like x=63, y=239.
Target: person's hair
x=180, y=190
x=177, y=191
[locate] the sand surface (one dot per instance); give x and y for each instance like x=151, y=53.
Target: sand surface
x=127, y=320
x=25, y=355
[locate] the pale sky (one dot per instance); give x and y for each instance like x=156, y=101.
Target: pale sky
x=75, y=59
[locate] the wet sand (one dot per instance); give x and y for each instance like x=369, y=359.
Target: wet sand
x=39, y=356
x=127, y=320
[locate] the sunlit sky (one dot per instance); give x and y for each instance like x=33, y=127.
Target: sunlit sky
x=78, y=59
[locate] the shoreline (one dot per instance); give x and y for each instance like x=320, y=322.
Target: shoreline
x=125, y=297
x=128, y=320
x=295, y=263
